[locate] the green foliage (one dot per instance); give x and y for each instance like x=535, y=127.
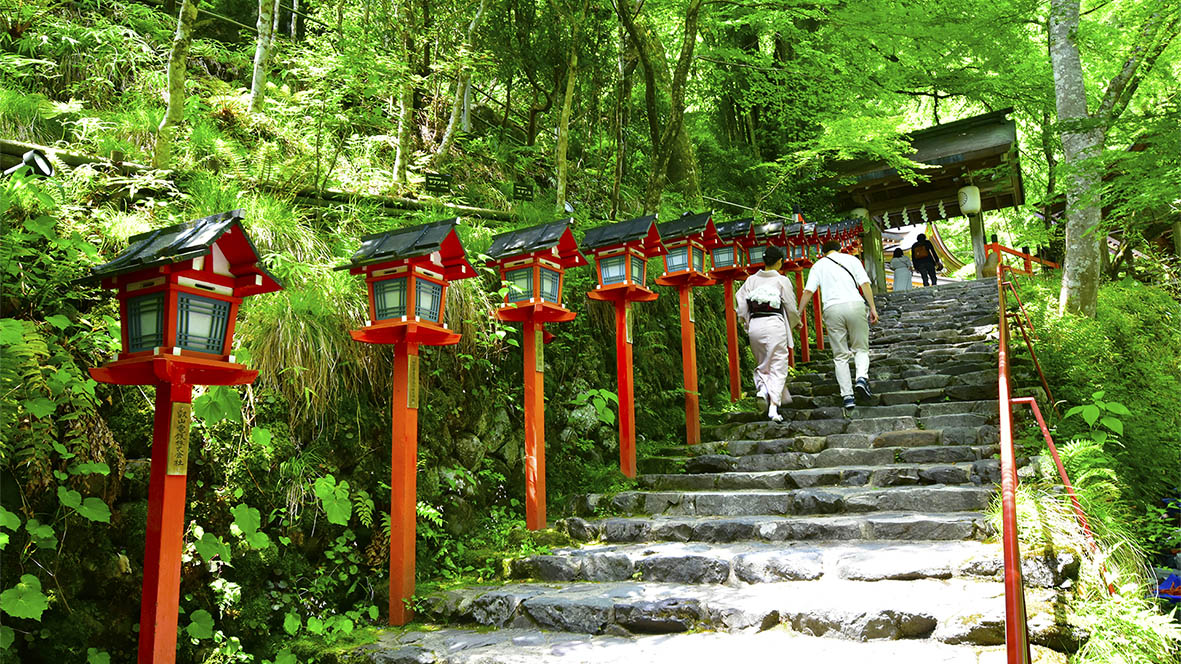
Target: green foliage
x=334, y=498
x=25, y=599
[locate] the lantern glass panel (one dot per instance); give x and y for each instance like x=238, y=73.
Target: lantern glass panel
x=520, y=284
x=145, y=322
x=698, y=259
x=677, y=259
x=389, y=298
x=551, y=283
x=427, y=298
x=201, y=323
x=639, y=267
x=756, y=254
x=723, y=257
x=613, y=269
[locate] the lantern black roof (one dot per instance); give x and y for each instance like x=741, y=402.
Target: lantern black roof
x=793, y=229
x=768, y=230
x=402, y=243
x=687, y=224
x=734, y=229
x=182, y=242
x=555, y=235
x=618, y=233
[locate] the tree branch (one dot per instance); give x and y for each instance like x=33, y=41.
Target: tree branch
x=1153, y=40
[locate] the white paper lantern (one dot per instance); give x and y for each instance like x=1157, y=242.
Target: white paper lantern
x=970, y=200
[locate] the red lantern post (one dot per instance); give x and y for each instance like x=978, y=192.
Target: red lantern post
x=728, y=259
x=684, y=268
x=533, y=262
x=407, y=272
x=820, y=235
x=620, y=252
x=179, y=290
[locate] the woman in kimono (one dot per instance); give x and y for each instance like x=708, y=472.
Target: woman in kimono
x=767, y=306
x=903, y=271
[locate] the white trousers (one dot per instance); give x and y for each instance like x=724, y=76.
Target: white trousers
x=847, y=331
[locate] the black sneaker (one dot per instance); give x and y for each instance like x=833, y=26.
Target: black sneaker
x=850, y=403
x=863, y=386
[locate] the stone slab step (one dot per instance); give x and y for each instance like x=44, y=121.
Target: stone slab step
x=895, y=474
x=909, y=526
x=767, y=562
x=949, y=450
x=521, y=646
x=955, y=611
x=822, y=500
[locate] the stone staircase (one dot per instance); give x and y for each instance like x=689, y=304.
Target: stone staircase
x=847, y=536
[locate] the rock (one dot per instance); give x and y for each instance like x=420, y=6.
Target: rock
x=469, y=450
x=986, y=472
x=684, y=569
x=607, y=567
x=710, y=463
x=906, y=438
x=659, y=617
x=588, y=615
x=817, y=502
x=771, y=566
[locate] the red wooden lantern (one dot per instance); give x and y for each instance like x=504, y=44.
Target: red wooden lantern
x=729, y=260
x=407, y=272
x=533, y=262
x=770, y=233
x=621, y=252
x=179, y=289
x=686, y=239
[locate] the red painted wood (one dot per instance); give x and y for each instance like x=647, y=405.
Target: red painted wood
x=732, y=342
x=165, y=538
x=626, y=392
x=805, y=354
x=403, y=487
x=689, y=369
x=534, y=431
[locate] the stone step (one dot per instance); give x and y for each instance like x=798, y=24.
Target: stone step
x=888, y=475
x=949, y=451
x=825, y=500
x=767, y=562
x=519, y=645
x=909, y=526
x=767, y=430
x=988, y=407
x=955, y=611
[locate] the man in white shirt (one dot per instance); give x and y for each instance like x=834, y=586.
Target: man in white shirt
x=844, y=294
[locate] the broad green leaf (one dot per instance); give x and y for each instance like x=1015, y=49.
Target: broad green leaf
x=96, y=656
x=261, y=437
x=69, y=497
x=334, y=498
x=1098, y=395
x=42, y=226
x=59, y=321
x=25, y=599
x=1118, y=408
x=1090, y=414
x=373, y=613
x=4, y=537
x=315, y=625
x=12, y=331
x=202, y=625
x=285, y=657
x=1114, y=424
x=7, y=636
x=292, y=623
x=40, y=407
x=1073, y=411
x=211, y=545
x=246, y=524
x=9, y=520
x=342, y=625
x=95, y=509
x=41, y=533
x=218, y=404
x=90, y=468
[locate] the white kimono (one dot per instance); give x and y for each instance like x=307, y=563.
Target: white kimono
x=770, y=336
x=903, y=273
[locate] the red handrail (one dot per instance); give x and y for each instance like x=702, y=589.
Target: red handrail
x=1016, y=629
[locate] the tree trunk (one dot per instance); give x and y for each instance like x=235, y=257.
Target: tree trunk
x=297, y=23
x=405, y=109
x=262, y=53
x=461, y=90
x=1081, y=143
x=622, y=96
x=175, y=113
x=564, y=124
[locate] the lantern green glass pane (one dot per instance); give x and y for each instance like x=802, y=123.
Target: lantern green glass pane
x=639, y=267
x=723, y=257
x=613, y=269
x=677, y=260
x=522, y=280
x=201, y=323
x=145, y=322
x=389, y=298
x=550, y=285
x=699, y=259
x=427, y=297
